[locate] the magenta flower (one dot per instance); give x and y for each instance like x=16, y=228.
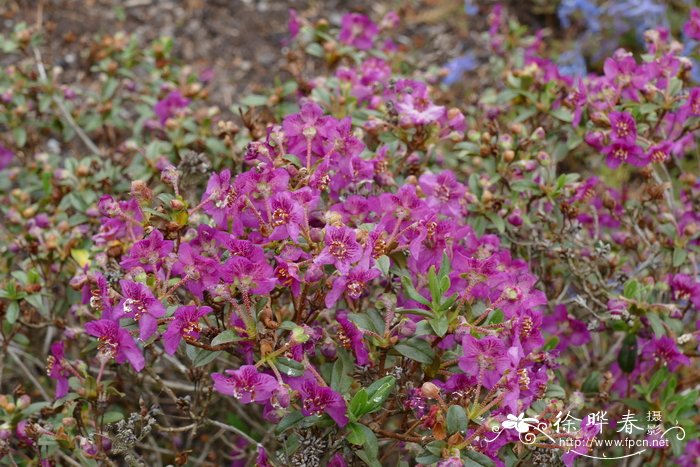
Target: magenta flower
x=243, y=248
x=358, y=30
x=691, y=454
x=252, y=277
x=623, y=73
x=341, y=248
x=316, y=400
x=169, y=106
x=417, y=109
x=286, y=216
x=148, y=253
x=220, y=197
x=578, y=98
x=571, y=331
x=140, y=305
x=6, y=157
x=306, y=130
x=245, y=384
x=293, y=24
x=444, y=191
x=659, y=152
x=485, y=358
x=692, y=27
x=352, y=284
x=665, y=350
x=116, y=343
x=343, y=145
x=684, y=287
x=56, y=368
x=197, y=270
x=185, y=323
x=337, y=461
x=621, y=151
x=691, y=108
x=352, y=338
x=623, y=127
x=99, y=299
x=287, y=273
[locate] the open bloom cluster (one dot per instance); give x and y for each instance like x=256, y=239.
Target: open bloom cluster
x=366, y=273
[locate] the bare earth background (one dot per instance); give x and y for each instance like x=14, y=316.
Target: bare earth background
x=239, y=39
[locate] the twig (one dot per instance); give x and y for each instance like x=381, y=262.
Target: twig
x=400, y=437
x=62, y=108
x=28, y=374
x=68, y=459
x=232, y=429
x=175, y=429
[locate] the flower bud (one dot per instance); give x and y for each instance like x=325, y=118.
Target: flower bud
x=515, y=218
x=140, y=191
x=430, y=390
x=538, y=134
x=299, y=335
x=407, y=328
x=329, y=350
x=23, y=402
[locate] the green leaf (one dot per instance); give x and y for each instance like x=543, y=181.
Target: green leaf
x=358, y=403
x=288, y=421
x=656, y=380
x=592, y=383
x=370, y=444
x=551, y=343
x=434, y=285
x=356, y=434
x=112, y=417
x=524, y=185
x=562, y=114
x=439, y=325
x=383, y=263
x=445, y=266
x=204, y=357
x=254, y=100
x=495, y=317
x=315, y=49
x=416, y=349
x=497, y=221
x=415, y=311
x=412, y=292
x=456, y=419
x=477, y=459
x=289, y=367
x=12, y=312
x=679, y=256
x=445, y=284
x=82, y=257
x=627, y=358
x=378, y=392
x=340, y=372
x=293, y=159
x=20, y=135
x=631, y=289
x=225, y=337
x=656, y=325
x=37, y=302
x=554, y=391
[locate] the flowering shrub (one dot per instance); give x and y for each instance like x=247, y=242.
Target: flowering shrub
x=360, y=271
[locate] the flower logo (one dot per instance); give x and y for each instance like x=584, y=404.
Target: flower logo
x=520, y=423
